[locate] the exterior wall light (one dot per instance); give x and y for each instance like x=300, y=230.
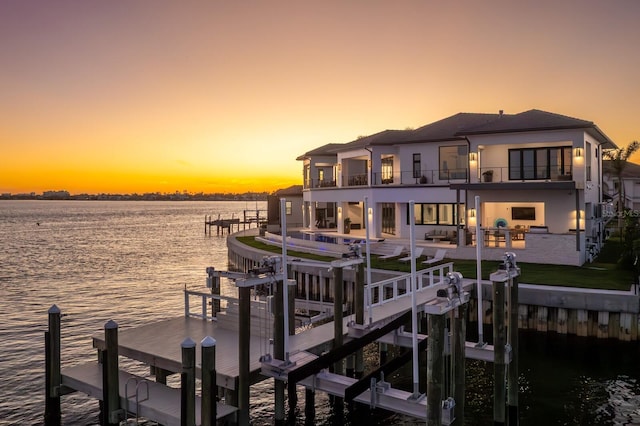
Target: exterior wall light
x=473, y=156
x=578, y=153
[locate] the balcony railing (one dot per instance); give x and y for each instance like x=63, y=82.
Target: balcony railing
x=514, y=174
x=424, y=177
x=319, y=183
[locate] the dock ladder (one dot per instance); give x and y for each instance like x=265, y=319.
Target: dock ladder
x=138, y=400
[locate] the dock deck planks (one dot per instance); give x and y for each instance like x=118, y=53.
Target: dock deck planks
x=163, y=405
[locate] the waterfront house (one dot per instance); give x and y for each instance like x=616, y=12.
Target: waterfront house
x=630, y=181
x=538, y=176
x=293, y=208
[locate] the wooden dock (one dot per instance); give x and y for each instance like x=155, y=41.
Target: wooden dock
x=249, y=218
x=159, y=345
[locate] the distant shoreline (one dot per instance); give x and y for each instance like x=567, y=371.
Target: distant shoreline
x=248, y=196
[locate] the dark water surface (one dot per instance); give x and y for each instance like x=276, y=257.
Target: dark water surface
x=129, y=261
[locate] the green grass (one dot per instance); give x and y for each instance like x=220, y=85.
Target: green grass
x=595, y=275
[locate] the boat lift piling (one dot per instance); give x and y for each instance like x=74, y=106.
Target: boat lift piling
x=188, y=383
x=209, y=402
x=504, y=351
x=112, y=413
x=52, y=414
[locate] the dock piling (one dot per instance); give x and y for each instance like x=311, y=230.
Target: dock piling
x=459, y=360
x=112, y=414
x=188, y=383
x=278, y=350
x=209, y=401
x=512, y=380
x=52, y=413
x=338, y=296
x=435, y=369
x=499, y=346
x=244, y=340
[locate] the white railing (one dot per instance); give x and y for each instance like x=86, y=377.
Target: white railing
x=205, y=308
x=395, y=288
x=380, y=292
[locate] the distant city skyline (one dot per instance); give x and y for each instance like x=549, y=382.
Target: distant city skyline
x=133, y=97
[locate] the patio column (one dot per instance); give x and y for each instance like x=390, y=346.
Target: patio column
x=312, y=215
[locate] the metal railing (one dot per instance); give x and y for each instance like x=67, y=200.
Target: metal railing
x=395, y=288
x=205, y=311
x=519, y=174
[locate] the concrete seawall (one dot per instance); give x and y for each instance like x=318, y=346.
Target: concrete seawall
x=564, y=310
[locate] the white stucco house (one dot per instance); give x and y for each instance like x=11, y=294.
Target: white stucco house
x=630, y=181
x=538, y=176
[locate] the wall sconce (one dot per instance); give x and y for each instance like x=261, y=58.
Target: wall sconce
x=370, y=212
x=472, y=212
x=578, y=153
x=369, y=164
x=473, y=156
x=339, y=211
x=339, y=166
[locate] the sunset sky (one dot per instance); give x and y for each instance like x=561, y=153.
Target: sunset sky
x=222, y=96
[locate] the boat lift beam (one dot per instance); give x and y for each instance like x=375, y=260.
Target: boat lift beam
x=324, y=361
x=364, y=384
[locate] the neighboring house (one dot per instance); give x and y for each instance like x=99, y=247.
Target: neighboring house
x=630, y=180
x=293, y=206
x=538, y=176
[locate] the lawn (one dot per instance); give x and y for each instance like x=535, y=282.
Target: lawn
x=595, y=275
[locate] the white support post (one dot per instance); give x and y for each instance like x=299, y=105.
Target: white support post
x=285, y=276
x=479, y=242
x=414, y=310
x=368, y=243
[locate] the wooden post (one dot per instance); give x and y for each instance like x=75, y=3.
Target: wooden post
x=435, y=369
x=52, y=414
x=209, y=400
x=459, y=340
x=188, y=383
x=338, y=338
x=383, y=349
x=110, y=376
x=278, y=349
x=244, y=339
x=499, y=343
x=309, y=407
x=513, y=365
x=214, y=281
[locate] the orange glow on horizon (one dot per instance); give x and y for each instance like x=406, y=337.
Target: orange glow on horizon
x=221, y=97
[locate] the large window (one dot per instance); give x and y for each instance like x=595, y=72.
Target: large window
x=453, y=162
x=387, y=170
x=417, y=166
x=437, y=213
x=539, y=163
x=389, y=218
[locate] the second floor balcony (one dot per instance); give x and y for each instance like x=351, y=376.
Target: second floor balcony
x=444, y=177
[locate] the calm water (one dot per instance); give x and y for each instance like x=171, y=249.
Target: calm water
x=129, y=261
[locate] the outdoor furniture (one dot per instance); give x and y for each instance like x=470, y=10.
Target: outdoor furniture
x=416, y=255
x=440, y=253
x=397, y=251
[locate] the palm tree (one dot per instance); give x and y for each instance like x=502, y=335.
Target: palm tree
x=619, y=158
